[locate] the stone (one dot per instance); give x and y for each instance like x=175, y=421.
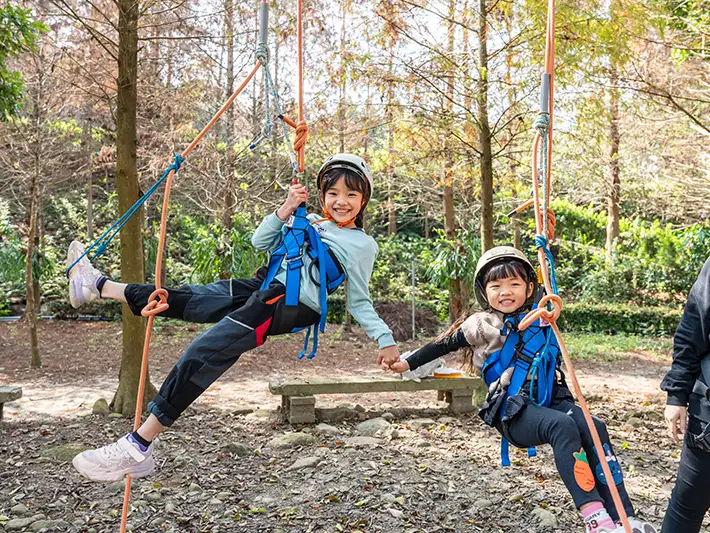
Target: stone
x=64, y=452
x=336, y=414
x=194, y=487
x=20, y=508
x=446, y=420
x=368, y=428
x=296, y=438
x=100, y=407
x=482, y=504
x=362, y=441
x=115, y=415
x=634, y=422
x=395, y=512
x=21, y=523
x=224, y=496
x=388, y=416
x=153, y=496
x=546, y=518
x=325, y=429
x=419, y=423
x=49, y=524
x=260, y=414
x=237, y=448
x=304, y=462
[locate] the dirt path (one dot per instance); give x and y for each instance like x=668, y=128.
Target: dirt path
x=440, y=474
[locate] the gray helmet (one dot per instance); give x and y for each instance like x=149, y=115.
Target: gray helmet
x=350, y=161
x=490, y=258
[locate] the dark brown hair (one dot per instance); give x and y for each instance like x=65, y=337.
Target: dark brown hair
x=354, y=181
x=508, y=268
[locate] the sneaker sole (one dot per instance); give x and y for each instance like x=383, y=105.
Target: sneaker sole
x=144, y=469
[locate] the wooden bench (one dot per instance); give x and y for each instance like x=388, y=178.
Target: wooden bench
x=9, y=394
x=298, y=395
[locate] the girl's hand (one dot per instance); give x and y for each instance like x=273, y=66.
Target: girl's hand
x=400, y=366
x=387, y=357
x=297, y=194
x=677, y=420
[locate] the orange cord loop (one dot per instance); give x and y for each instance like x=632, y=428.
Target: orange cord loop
x=157, y=303
x=548, y=315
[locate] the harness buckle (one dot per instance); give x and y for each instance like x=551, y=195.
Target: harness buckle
x=291, y=220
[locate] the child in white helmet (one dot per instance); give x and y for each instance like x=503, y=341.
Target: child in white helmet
x=247, y=311
x=505, y=286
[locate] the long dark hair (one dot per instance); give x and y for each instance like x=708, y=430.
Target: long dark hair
x=354, y=181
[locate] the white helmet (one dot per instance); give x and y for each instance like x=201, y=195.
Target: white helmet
x=490, y=258
x=350, y=161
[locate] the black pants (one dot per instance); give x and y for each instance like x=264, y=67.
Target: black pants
x=562, y=425
x=690, y=499
x=244, y=314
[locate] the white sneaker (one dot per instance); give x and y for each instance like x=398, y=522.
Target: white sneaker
x=82, y=277
x=636, y=527
x=115, y=461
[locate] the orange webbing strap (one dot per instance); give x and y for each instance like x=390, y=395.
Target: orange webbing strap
x=158, y=301
x=550, y=306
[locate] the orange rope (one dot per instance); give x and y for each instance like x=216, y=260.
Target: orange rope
x=158, y=301
x=555, y=302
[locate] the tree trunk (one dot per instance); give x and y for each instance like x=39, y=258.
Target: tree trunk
x=30, y=285
x=391, y=213
x=86, y=141
x=486, y=156
x=614, y=190
x=228, y=199
x=132, y=259
x=512, y=164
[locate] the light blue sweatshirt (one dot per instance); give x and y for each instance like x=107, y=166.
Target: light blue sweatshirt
x=355, y=250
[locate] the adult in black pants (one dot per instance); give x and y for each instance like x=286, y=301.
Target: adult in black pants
x=688, y=410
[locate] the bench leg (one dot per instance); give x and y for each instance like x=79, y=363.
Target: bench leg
x=301, y=409
x=460, y=401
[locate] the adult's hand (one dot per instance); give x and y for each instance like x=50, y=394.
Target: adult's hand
x=677, y=420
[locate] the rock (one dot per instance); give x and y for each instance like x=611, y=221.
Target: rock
x=63, y=453
x=158, y=521
x=422, y=443
x=49, y=524
x=100, y=407
x=362, y=441
x=516, y=498
x=260, y=414
x=546, y=518
x=371, y=427
x=20, y=508
x=387, y=416
x=446, y=420
x=419, y=423
x=296, y=438
x=395, y=512
x=215, y=502
x=304, y=462
x=335, y=414
x=153, y=496
x=115, y=415
x=194, y=487
x=236, y=448
x=224, y=496
x=482, y=504
x=169, y=507
x=634, y=422
x=21, y=523
x=325, y=429
x=115, y=488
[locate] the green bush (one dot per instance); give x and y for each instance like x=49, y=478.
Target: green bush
x=620, y=318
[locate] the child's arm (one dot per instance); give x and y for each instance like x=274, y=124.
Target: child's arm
x=691, y=344
x=361, y=308
x=270, y=232
x=433, y=350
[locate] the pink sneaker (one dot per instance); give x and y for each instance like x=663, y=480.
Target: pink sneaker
x=115, y=461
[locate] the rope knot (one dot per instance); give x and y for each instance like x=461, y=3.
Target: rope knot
x=542, y=122
x=301, y=136
x=262, y=53
x=157, y=303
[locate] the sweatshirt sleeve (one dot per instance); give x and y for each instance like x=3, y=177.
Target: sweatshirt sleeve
x=269, y=233
x=438, y=348
x=691, y=342
x=360, y=304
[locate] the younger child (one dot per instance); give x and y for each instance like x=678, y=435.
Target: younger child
x=244, y=313
x=505, y=283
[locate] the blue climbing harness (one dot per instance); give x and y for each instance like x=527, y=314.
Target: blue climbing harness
x=301, y=237
x=533, y=354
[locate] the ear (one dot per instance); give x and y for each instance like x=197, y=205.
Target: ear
x=531, y=288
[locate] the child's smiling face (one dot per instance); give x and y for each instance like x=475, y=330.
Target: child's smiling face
x=507, y=295
x=342, y=202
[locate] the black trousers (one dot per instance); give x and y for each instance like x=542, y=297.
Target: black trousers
x=562, y=425
x=244, y=315
x=690, y=499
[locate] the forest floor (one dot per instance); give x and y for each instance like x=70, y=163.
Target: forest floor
x=225, y=465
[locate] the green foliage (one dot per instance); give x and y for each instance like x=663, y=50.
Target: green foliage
x=604, y=347
x=620, y=318
x=18, y=32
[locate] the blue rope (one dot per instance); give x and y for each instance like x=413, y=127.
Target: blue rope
x=103, y=241
x=542, y=124
x=541, y=242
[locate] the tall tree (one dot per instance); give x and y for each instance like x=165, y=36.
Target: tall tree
x=485, y=150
